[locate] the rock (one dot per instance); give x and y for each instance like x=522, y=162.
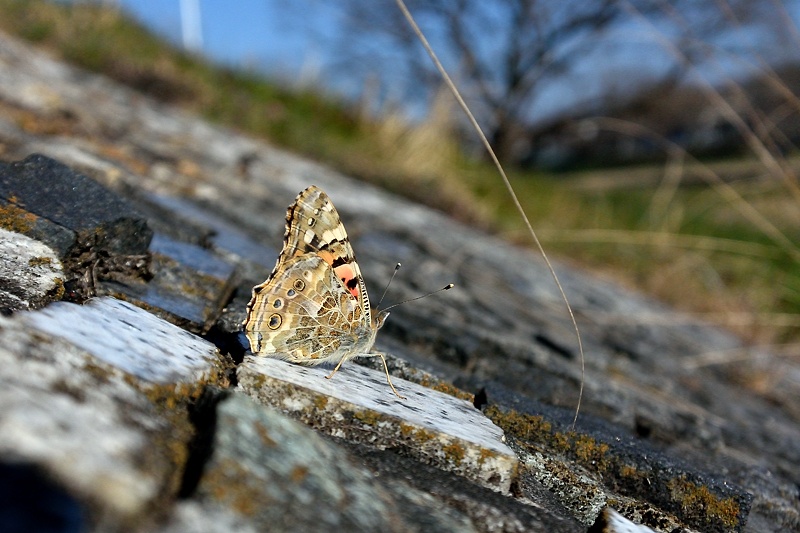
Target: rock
x=100, y=434
x=284, y=477
x=189, y=285
x=189, y=516
x=47, y=192
x=357, y=405
x=129, y=339
x=660, y=427
x=105, y=237
x=202, y=226
x=488, y=510
x=30, y=273
x=601, y=466
x=610, y=521
x=29, y=501
x=107, y=246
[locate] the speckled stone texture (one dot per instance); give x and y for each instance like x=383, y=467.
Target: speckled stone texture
x=665, y=438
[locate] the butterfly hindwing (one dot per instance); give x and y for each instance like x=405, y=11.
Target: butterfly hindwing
x=302, y=313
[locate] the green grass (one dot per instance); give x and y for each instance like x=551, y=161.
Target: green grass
x=689, y=247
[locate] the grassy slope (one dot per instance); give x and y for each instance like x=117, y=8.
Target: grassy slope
x=688, y=245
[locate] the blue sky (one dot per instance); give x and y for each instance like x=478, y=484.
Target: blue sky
x=292, y=40
x=289, y=39
x=255, y=33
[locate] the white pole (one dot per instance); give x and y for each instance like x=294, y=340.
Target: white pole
x=191, y=25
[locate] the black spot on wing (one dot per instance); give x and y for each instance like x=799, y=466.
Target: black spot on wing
x=329, y=244
x=339, y=261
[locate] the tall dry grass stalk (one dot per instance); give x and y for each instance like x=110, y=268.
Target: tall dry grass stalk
x=506, y=181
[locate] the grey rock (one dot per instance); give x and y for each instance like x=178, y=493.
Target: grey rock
x=128, y=338
x=96, y=432
x=189, y=285
x=95, y=233
x=610, y=521
x=504, y=330
x=31, y=274
x=108, y=247
x=358, y=405
x=487, y=509
x=191, y=516
x=284, y=477
x=84, y=212
x=29, y=501
x=201, y=225
x=601, y=465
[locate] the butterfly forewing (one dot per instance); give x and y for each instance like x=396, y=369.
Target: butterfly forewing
x=313, y=226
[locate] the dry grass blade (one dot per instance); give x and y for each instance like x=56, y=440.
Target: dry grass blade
x=506, y=181
x=662, y=239
x=724, y=189
x=756, y=144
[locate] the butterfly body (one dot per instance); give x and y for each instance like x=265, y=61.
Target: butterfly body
x=314, y=307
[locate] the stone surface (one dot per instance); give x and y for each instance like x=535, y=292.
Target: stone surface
x=95, y=233
x=207, y=227
x=97, y=433
x=29, y=501
x=487, y=509
x=128, y=338
x=358, y=405
x=108, y=248
x=31, y=274
x=190, y=516
x=610, y=521
x=602, y=465
x=86, y=214
x=502, y=334
x=285, y=477
x=189, y=285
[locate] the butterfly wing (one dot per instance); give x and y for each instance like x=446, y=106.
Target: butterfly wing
x=313, y=226
x=305, y=315
x=314, y=306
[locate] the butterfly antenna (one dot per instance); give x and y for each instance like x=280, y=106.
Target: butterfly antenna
x=445, y=288
x=396, y=268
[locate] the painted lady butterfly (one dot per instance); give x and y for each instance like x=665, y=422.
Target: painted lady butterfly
x=314, y=307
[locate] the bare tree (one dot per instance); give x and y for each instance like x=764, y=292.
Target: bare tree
x=504, y=50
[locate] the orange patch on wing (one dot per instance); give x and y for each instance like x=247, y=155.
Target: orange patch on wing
x=347, y=275
x=327, y=257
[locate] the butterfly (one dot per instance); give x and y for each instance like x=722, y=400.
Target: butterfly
x=314, y=308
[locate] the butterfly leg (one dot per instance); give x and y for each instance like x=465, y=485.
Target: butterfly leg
x=388, y=379
x=385, y=368
x=335, y=370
